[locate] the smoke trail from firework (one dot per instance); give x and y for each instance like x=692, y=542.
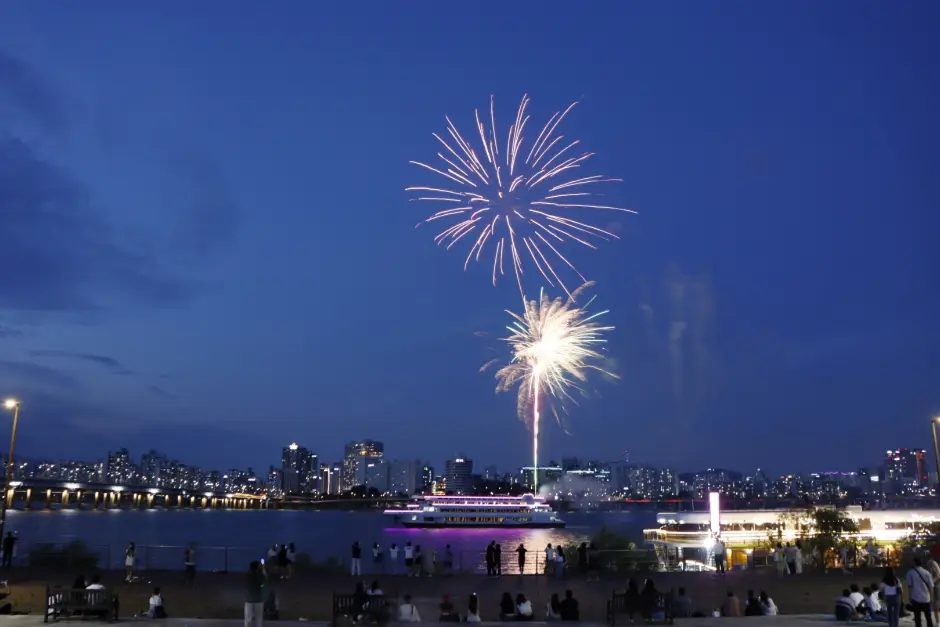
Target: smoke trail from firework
x=554, y=346
x=515, y=202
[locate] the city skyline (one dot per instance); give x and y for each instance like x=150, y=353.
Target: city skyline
x=207, y=233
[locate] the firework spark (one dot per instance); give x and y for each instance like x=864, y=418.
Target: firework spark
x=554, y=346
x=513, y=201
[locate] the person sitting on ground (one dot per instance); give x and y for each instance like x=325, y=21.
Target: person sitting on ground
x=507, y=609
x=447, y=615
x=473, y=609
x=652, y=602
x=374, y=590
x=752, y=605
x=95, y=583
x=523, y=608
x=156, y=605
x=873, y=604
x=681, y=605
x=767, y=604
x=569, y=608
x=845, y=608
x=407, y=612
x=732, y=605
x=553, y=608
x=858, y=599
x=360, y=600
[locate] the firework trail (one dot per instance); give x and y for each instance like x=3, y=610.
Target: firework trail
x=554, y=345
x=510, y=201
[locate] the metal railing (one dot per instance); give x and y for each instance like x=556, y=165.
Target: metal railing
x=227, y=558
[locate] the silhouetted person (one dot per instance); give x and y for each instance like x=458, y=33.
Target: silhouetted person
x=521, y=551
x=569, y=607
x=9, y=543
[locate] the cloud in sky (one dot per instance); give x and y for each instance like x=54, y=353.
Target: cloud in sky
x=61, y=251
x=107, y=362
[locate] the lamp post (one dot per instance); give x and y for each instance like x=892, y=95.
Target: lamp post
x=12, y=405
x=936, y=449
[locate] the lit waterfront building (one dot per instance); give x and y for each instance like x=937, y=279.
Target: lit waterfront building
x=905, y=471
x=405, y=477
x=330, y=477
x=458, y=475
x=240, y=481
x=355, y=459
x=121, y=470
x=299, y=470
x=376, y=475
x=427, y=478
x=490, y=473
x=154, y=468
x=700, y=484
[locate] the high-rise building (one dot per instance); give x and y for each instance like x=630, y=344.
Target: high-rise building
x=906, y=467
x=458, y=475
x=376, y=475
x=355, y=459
x=405, y=477
x=427, y=478
x=154, y=469
x=300, y=470
x=121, y=470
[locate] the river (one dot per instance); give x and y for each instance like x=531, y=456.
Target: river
x=229, y=539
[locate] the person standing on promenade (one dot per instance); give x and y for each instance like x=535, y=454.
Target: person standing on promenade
x=409, y=558
x=448, y=560
x=720, y=555
x=521, y=551
x=189, y=564
x=419, y=563
x=377, y=558
x=789, y=555
x=891, y=587
x=130, y=556
x=921, y=585
x=254, y=597
x=780, y=560
x=491, y=559
x=798, y=558
x=934, y=569
x=498, y=557
x=549, y=559
x=393, y=559
x=559, y=562
x=9, y=545
x=356, y=567
x=291, y=558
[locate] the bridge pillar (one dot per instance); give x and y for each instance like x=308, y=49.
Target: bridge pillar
x=48, y=498
x=9, y=497
x=203, y=502
x=150, y=500
x=29, y=498
x=65, y=498
x=78, y=499
x=94, y=504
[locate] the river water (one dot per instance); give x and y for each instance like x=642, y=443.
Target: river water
x=229, y=539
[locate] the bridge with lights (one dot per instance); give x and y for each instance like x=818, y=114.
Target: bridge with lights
x=42, y=493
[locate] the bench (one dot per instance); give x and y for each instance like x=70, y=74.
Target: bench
x=69, y=603
x=376, y=608
x=617, y=604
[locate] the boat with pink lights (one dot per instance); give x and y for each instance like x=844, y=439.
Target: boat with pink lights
x=527, y=510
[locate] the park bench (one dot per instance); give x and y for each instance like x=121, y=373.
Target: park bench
x=69, y=603
x=375, y=610
x=662, y=613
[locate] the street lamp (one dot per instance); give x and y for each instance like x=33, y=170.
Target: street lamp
x=13, y=405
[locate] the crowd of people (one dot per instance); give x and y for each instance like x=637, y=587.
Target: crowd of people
x=884, y=600
x=370, y=606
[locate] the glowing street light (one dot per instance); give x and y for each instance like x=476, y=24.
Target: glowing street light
x=10, y=404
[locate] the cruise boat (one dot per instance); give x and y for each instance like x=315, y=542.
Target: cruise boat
x=477, y=511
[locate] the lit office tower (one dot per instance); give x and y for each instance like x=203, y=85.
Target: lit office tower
x=906, y=467
x=405, y=477
x=458, y=475
x=299, y=470
x=427, y=478
x=356, y=457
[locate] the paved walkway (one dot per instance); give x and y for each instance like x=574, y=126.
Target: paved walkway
x=799, y=620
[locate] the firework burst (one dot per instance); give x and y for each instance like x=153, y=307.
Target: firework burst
x=517, y=200
x=554, y=345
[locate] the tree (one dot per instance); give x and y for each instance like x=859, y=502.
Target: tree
x=830, y=526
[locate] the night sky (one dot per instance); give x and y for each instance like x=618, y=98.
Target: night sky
x=206, y=246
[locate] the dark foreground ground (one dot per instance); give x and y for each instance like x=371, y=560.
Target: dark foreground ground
x=308, y=596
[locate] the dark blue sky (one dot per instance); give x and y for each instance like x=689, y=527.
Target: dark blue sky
x=205, y=243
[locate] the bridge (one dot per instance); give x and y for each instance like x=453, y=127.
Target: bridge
x=44, y=493
x=27, y=494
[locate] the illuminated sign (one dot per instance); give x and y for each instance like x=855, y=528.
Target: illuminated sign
x=714, y=511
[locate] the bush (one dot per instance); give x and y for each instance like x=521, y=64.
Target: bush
x=74, y=555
